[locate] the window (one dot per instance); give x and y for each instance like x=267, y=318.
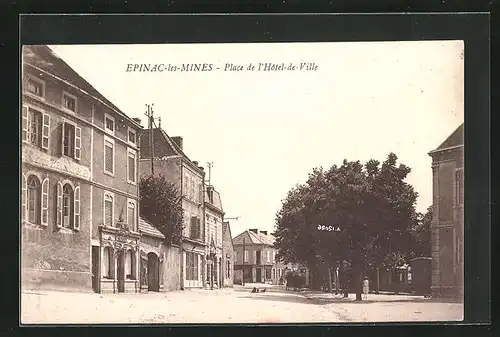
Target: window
x=268, y=274
x=106, y=263
x=228, y=268
x=109, y=155
x=246, y=256
x=35, y=86
x=459, y=186
x=33, y=199
x=36, y=127
x=195, y=227
x=108, y=209
x=69, y=101
x=186, y=183
x=131, y=215
x=131, y=136
x=109, y=124
x=191, y=266
x=67, y=206
x=236, y=256
x=72, y=140
x=216, y=232
x=131, y=166
x=129, y=265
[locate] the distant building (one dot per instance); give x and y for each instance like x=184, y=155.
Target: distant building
x=79, y=196
x=170, y=160
x=255, y=258
x=447, y=227
x=228, y=255
x=214, y=216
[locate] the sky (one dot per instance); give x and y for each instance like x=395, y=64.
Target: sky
x=265, y=131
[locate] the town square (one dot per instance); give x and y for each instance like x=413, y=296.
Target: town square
x=241, y=196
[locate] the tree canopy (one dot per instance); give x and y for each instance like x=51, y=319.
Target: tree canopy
x=160, y=204
x=371, y=204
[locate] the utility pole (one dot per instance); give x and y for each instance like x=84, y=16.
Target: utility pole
x=210, y=165
x=243, y=274
x=151, y=122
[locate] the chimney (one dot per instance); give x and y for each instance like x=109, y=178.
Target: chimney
x=178, y=140
x=255, y=230
x=138, y=120
x=264, y=232
x=195, y=163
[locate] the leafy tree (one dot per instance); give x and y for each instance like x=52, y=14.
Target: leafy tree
x=373, y=206
x=421, y=235
x=160, y=204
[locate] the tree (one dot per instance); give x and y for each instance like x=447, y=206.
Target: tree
x=373, y=207
x=160, y=204
x=421, y=235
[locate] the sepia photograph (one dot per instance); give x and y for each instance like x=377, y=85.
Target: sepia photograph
x=242, y=183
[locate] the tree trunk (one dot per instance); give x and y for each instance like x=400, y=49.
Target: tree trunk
x=329, y=280
x=357, y=282
x=377, y=289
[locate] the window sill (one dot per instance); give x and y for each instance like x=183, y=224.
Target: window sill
x=132, y=182
x=109, y=132
x=32, y=95
x=33, y=225
x=111, y=174
x=66, y=230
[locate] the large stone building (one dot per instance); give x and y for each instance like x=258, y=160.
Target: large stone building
x=214, y=216
x=79, y=197
x=255, y=258
x=170, y=160
x=447, y=228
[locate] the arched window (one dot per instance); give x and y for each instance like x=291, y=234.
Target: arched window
x=33, y=199
x=67, y=209
x=106, y=263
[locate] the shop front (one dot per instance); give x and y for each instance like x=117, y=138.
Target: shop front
x=119, y=256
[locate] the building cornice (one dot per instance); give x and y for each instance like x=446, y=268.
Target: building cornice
x=445, y=149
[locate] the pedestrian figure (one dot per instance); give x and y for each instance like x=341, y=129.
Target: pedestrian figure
x=366, y=286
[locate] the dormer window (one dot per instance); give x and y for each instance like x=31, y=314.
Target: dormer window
x=69, y=101
x=35, y=86
x=131, y=136
x=109, y=124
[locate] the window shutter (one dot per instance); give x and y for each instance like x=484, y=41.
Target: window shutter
x=198, y=225
x=59, y=205
x=45, y=203
x=76, y=222
x=62, y=138
x=24, y=134
x=78, y=142
x=45, y=131
x=24, y=197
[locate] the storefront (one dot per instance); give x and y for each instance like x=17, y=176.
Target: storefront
x=119, y=254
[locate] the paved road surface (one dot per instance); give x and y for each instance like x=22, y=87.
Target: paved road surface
x=229, y=305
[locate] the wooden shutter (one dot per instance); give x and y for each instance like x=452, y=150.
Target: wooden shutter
x=63, y=129
x=59, y=205
x=45, y=131
x=24, y=197
x=45, y=203
x=24, y=133
x=76, y=221
x=78, y=142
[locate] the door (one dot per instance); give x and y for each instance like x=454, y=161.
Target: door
x=95, y=269
x=121, y=272
x=258, y=275
x=153, y=272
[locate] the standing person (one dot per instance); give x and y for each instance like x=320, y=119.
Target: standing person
x=366, y=286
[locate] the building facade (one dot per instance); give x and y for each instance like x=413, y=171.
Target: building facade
x=447, y=227
x=214, y=216
x=255, y=260
x=170, y=160
x=79, y=193
x=227, y=256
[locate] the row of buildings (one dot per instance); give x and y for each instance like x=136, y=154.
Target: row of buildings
x=82, y=159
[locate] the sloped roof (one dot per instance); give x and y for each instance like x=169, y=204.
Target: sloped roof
x=217, y=202
x=42, y=57
x=254, y=238
x=164, y=145
x=226, y=232
x=453, y=140
x=148, y=229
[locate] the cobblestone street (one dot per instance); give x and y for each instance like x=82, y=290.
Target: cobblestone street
x=236, y=305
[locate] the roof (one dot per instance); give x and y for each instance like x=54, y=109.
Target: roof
x=164, y=146
x=257, y=239
x=456, y=139
x=148, y=229
x=217, y=202
x=42, y=57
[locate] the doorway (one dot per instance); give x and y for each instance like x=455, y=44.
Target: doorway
x=121, y=272
x=95, y=268
x=258, y=275
x=153, y=272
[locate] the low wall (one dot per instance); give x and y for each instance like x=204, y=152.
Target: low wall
x=56, y=280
